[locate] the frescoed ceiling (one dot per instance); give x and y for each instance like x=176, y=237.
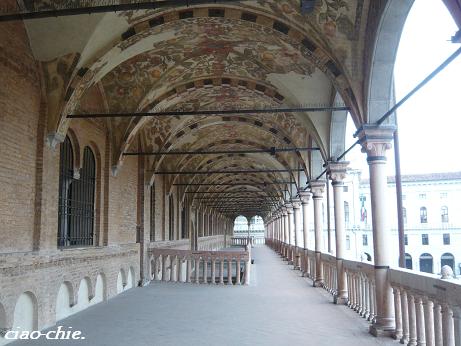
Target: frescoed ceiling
x=226, y=56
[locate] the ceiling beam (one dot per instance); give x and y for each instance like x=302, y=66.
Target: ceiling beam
x=237, y=184
x=242, y=171
x=11, y=13
x=208, y=112
x=232, y=192
x=271, y=151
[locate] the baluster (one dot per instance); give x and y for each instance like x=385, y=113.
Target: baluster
x=373, y=302
x=412, y=319
x=366, y=301
x=420, y=330
x=398, y=314
x=229, y=271
x=172, y=268
x=188, y=270
x=438, y=330
x=247, y=271
x=457, y=324
x=447, y=326
x=237, y=272
x=213, y=270
x=156, y=263
x=164, y=259
x=197, y=270
x=205, y=270
x=428, y=307
x=221, y=271
x=405, y=322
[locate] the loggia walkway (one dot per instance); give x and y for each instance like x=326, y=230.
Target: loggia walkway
x=278, y=308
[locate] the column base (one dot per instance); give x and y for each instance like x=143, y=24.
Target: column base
x=318, y=283
x=340, y=300
x=397, y=335
x=379, y=331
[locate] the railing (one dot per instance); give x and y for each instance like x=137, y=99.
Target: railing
x=243, y=240
x=427, y=309
x=203, y=267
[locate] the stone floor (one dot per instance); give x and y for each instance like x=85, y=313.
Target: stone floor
x=279, y=308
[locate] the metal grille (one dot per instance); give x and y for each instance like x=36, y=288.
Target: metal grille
x=76, y=199
x=152, y=213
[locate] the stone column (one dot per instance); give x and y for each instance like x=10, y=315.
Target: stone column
x=305, y=197
x=290, y=223
x=297, y=226
x=317, y=188
x=375, y=141
x=337, y=172
x=285, y=232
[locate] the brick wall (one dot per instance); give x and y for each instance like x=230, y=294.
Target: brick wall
x=19, y=113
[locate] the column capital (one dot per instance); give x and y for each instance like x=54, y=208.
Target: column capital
x=317, y=188
x=376, y=140
x=337, y=171
x=296, y=202
x=289, y=207
x=305, y=196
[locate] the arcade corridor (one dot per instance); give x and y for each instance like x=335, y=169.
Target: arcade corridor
x=278, y=308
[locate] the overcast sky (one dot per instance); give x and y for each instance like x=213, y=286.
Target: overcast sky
x=430, y=122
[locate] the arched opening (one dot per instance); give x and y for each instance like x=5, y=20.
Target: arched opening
x=130, y=281
x=408, y=261
x=83, y=295
x=240, y=226
x=99, y=289
x=25, y=315
x=76, y=198
x=121, y=281
x=426, y=263
x=447, y=259
x=64, y=301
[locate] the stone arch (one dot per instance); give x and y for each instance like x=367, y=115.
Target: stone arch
x=338, y=130
x=25, y=316
x=64, y=300
x=381, y=81
x=76, y=150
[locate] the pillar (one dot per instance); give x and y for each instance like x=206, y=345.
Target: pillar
x=375, y=141
x=305, y=198
x=337, y=172
x=290, y=223
x=317, y=188
x=285, y=231
x=297, y=226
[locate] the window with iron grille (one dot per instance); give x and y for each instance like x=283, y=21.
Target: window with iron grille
x=152, y=213
x=76, y=198
x=425, y=239
x=444, y=214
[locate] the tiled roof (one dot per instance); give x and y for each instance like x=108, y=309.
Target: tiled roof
x=415, y=178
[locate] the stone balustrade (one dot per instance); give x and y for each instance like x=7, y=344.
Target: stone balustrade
x=201, y=267
x=427, y=308
x=243, y=240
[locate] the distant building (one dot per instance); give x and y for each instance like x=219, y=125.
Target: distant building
x=256, y=226
x=432, y=217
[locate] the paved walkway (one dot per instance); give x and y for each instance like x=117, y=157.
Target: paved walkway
x=279, y=308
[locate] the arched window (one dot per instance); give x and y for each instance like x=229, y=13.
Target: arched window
x=152, y=213
x=447, y=259
x=444, y=214
x=346, y=212
x=76, y=198
x=408, y=261
x=423, y=214
x=426, y=263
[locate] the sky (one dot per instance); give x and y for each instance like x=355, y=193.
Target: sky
x=430, y=121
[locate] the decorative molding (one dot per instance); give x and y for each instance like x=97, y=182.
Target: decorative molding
x=53, y=139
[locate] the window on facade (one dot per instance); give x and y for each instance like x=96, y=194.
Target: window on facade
x=346, y=188
x=152, y=213
x=422, y=196
x=404, y=197
x=346, y=212
x=443, y=195
x=423, y=214
x=348, y=242
x=76, y=198
x=444, y=213
x=404, y=215
x=446, y=239
x=365, y=240
x=425, y=239
x=405, y=239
